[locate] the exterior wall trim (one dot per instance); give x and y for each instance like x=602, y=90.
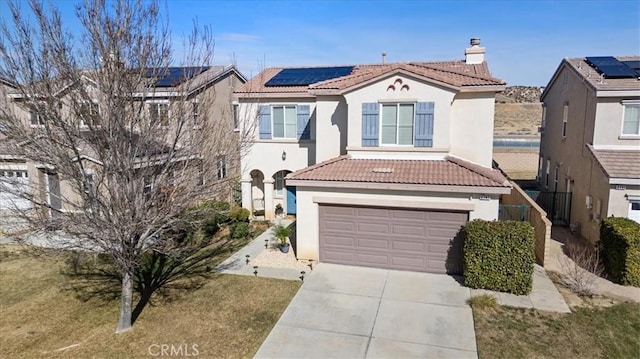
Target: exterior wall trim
x=625, y=181
x=396, y=203
x=400, y=186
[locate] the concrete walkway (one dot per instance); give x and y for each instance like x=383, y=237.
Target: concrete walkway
x=356, y=312
x=237, y=263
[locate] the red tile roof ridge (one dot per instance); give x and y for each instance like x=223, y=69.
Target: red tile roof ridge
x=489, y=173
x=318, y=165
x=475, y=76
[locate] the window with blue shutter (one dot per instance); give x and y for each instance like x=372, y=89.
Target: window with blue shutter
x=424, y=124
x=304, y=130
x=264, y=117
x=370, y=124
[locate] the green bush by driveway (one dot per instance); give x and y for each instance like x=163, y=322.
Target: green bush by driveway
x=499, y=256
x=620, y=249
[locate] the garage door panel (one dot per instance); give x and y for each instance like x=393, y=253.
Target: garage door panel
x=403, y=239
x=340, y=257
x=372, y=213
x=367, y=227
x=341, y=240
x=411, y=246
x=408, y=230
x=373, y=243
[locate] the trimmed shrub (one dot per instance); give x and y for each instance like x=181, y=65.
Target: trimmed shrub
x=620, y=249
x=239, y=214
x=239, y=230
x=499, y=256
x=210, y=226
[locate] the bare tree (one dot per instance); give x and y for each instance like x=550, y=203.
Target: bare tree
x=125, y=169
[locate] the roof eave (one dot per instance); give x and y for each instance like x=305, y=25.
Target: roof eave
x=400, y=186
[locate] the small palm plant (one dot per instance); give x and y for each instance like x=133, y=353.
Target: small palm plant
x=281, y=234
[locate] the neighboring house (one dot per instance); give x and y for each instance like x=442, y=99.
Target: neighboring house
x=215, y=83
x=590, y=143
x=382, y=164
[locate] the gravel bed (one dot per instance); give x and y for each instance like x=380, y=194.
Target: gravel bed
x=273, y=258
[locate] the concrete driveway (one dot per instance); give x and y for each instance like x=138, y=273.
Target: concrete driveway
x=357, y=312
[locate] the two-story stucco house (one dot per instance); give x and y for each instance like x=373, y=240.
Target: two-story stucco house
x=382, y=164
x=590, y=144
x=211, y=85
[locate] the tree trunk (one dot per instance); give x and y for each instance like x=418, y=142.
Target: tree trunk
x=124, y=324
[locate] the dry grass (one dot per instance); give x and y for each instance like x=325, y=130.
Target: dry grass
x=586, y=333
x=517, y=118
x=228, y=317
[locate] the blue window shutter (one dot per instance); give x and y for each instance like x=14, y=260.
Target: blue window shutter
x=424, y=125
x=304, y=131
x=370, y=124
x=264, y=116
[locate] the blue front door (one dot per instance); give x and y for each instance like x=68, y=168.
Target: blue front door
x=291, y=200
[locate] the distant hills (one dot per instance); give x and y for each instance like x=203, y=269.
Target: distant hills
x=518, y=111
x=520, y=94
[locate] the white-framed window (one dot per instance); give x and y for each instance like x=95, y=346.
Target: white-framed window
x=565, y=118
x=89, y=113
x=631, y=120
x=195, y=114
x=546, y=175
x=543, y=122
x=234, y=113
x=279, y=183
x=148, y=185
x=159, y=113
x=540, y=164
x=36, y=119
x=284, y=121
x=396, y=125
x=555, y=178
x=222, y=167
x=565, y=78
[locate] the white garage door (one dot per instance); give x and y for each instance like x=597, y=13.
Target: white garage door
x=12, y=183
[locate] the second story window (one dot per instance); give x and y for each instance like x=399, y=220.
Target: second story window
x=159, y=114
x=284, y=122
x=36, y=119
x=565, y=118
x=89, y=113
x=397, y=124
x=222, y=167
x=631, y=121
x=195, y=113
x=234, y=111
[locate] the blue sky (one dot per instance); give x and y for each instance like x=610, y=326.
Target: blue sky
x=525, y=40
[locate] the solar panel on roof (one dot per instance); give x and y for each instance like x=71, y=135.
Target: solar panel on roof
x=610, y=67
x=172, y=76
x=634, y=64
x=307, y=76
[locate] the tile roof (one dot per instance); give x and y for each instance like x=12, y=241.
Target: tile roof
x=450, y=171
x=455, y=73
x=618, y=163
x=593, y=77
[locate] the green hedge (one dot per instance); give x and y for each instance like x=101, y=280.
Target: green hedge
x=620, y=249
x=499, y=256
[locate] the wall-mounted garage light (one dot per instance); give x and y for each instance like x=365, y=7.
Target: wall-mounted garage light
x=284, y=155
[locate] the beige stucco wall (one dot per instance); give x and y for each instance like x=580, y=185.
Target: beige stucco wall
x=266, y=155
x=307, y=222
x=418, y=92
x=331, y=127
x=472, y=127
x=591, y=120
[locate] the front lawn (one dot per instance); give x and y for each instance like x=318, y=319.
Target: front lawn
x=229, y=316
x=586, y=333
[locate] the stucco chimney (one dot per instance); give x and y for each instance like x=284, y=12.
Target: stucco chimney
x=475, y=53
x=384, y=58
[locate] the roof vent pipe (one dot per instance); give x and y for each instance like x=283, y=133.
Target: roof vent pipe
x=384, y=57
